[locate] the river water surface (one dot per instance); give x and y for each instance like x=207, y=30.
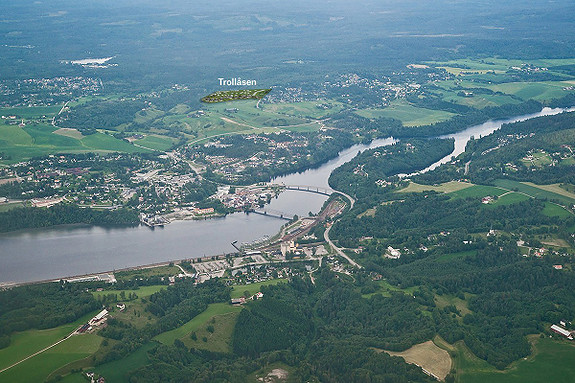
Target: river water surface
x=34, y=255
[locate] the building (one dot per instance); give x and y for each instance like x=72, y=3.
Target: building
x=561, y=331
x=393, y=253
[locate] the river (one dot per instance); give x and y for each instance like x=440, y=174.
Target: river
x=33, y=255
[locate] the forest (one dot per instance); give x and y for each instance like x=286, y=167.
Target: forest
x=63, y=214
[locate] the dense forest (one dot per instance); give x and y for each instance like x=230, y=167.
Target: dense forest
x=63, y=214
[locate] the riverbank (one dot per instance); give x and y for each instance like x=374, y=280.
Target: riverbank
x=51, y=253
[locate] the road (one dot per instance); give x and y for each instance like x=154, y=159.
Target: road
x=184, y=271
x=338, y=250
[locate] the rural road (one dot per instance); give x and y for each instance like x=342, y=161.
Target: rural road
x=338, y=250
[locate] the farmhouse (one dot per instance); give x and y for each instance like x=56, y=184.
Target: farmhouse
x=561, y=331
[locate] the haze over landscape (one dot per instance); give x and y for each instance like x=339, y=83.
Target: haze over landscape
x=324, y=191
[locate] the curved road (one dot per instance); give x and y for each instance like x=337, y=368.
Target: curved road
x=338, y=250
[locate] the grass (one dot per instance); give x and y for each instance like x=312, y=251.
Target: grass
x=386, y=289
x=220, y=340
x=142, y=292
x=39, y=367
x=28, y=342
x=552, y=210
x=445, y=300
x=238, y=291
x=213, y=309
x=551, y=361
x=451, y=256
x=409, y=115
x=39, y=139
x=9, y=206
x=428, y=356
x=305, y=109
x=478, y=191
x=448, y=187
x=553, y=188
x=536, y=191
x=118, y=370
x=156, y=142
x=34, y=112
x=508, y=199
x=540, y=91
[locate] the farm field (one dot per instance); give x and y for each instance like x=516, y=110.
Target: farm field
x=552, y=210
x=29, y=342
x=27, y=113
x=551, y=361
x=448, y=187
x=40, y=139
x=536, y=191
x=305, y=109
x=39, y=367
x=429, y=357
x=508, y=198
x=478, y=191
x=553, y=188
x=409, y=115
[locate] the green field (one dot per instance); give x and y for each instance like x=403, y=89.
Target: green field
x=40, y=139
x=540, y=91
x=39, y=367
x=386, y=289
x=9, y=206
x=28, y=113
x=155, y=142
x=238, y=290
x=220, y=340
x=552, y=210
x=409, y=115
x=446, y=300
x=534, y=191
x=305, y=109
x=508, y=199
x=193, y=325
x=28, y=342
x=478, y=191
x=551, y=361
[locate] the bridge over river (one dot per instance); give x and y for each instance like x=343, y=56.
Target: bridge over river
x=300, y=188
